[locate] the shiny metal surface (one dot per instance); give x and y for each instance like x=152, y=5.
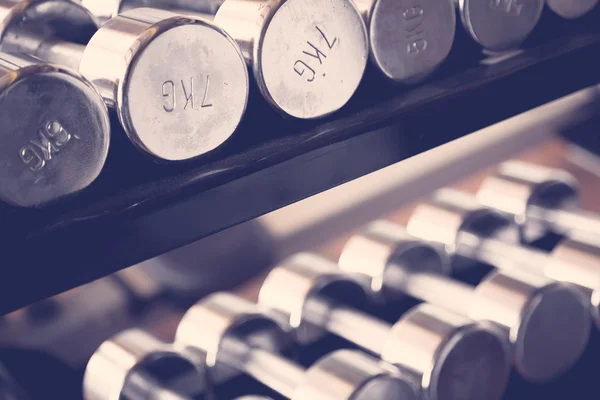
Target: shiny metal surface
x=539, y=199
x=107, y=9
x=524, y=309
x=383, y=248
x=56, y=132
x=117, y=369
x=179, y=84
x=455, y=357
x=548, y=322
x=579, y=263
x=307, y=56
x=572, y=9
x=471, y=233
x=500, y=25
x=223, y=326
x=409, y=40
x=297, y=283
x=432, y=354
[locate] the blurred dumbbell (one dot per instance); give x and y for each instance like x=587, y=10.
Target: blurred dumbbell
x=439, y=347
x=178, y=84
x=571, y=9
x=547, y=322
x=467, y=229
x=120, y=369
x=540, y=199
x=56, y=131
x=231, y=332
x=500, y=25
x=307, y=56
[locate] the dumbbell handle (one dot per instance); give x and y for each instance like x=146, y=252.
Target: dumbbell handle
x=142, y=386
x=272, y=370
x=55, y=51
x=435, y=289
x=502, y=255
x=568, y=222
x=357, y=327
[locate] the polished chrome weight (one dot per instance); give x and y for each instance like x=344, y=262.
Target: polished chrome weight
x=308, y=56
x=55, y=131
x=409, y=40
x=178, y=84
x=500, y=25
x=547, y=322
x=230, y=331
x=107, y=9
x=540, y=199
x=452, y=356
x=119, y=369
x=571, y=9
x=467, y=229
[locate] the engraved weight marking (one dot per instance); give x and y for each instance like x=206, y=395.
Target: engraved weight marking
x=52, y=137
x=301, y=66
x=169, y=91
x=415, y=34
x=513, y=7
x=305, y=67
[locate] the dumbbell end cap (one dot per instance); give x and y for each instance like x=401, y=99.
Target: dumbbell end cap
x=500, y=25
x=553, y=333
x=408, y=41
x=474, y=363
x=311, y=56
x=573, y=8
x=386, y=387
x=185, y=91
x=57, y=135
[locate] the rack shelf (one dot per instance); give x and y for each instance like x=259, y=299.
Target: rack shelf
x=137, y=210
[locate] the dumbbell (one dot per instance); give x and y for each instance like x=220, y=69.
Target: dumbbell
x=540, y=199
x=468, y=230
x=119, y=369
x=499, y=25
x=571, y=9
x=56, y=131
x=547, y=322
x=234, y=333
x=178, y=84
x=439, y=347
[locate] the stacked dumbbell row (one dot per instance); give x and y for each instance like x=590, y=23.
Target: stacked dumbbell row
x=515, y=315
x=179, y=84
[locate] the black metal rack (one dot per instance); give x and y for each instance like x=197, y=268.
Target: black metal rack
x=137, y=209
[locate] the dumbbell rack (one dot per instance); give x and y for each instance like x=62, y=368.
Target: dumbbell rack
x=138, y=209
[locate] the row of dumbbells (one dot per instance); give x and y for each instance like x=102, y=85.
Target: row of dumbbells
x=460, y=343
x=179, y=84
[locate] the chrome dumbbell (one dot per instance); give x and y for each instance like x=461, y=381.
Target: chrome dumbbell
x=439, y=347
x=120, y=368
x=234, y=333
x=500, y=25
x=540, y=199
x=307, y=56
x=465, y=228
x=408, y=40
x=179, y=85
x=571, y=9
x=547, y=322
x=56, y=131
